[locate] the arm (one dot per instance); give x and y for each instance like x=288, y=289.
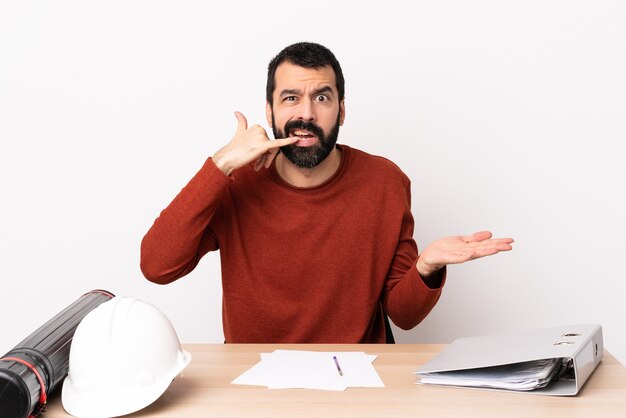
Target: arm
x=180, y=236
x=407, y=297
x=413, y=288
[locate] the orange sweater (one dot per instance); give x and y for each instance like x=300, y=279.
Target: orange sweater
x=312, y=265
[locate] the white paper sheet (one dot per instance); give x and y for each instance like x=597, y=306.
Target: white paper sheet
x=286, y=369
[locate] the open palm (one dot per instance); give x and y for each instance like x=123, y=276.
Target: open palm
x=459, y=249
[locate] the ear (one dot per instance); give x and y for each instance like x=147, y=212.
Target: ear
x=342, y=111
x=268, y=114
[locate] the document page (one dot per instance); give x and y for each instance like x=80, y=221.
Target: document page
x=285, y=369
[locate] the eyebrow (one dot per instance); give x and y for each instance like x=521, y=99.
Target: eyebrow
x=290, y=91
x=325, y=89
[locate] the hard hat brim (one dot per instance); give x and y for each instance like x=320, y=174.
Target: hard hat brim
x=116, y=401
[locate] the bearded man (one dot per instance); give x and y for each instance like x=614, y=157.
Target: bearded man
x=315, y=238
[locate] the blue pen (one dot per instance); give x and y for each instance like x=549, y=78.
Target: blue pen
x=337, y=364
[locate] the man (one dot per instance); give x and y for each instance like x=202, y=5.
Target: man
x=315, y=238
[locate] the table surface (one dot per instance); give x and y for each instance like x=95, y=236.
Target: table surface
x=205, y=390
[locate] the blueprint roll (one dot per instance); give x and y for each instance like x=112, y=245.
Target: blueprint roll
x=37, y=365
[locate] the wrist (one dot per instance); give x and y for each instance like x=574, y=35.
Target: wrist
x=221, y=162
x=425, y=269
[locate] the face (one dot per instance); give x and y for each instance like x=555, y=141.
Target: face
x=306, y=105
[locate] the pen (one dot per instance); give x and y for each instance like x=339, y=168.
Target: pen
x=337, y=364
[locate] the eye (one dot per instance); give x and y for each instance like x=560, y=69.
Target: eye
x=289, y=99
x=321, y=98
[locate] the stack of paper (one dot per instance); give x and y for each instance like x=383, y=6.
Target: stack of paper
x=527, y=375
x=284, y=369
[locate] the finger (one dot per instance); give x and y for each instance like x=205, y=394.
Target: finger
x=483, y=252
x=260, y=162
x=478, y=236
x=492, y=247
x=242, y=122
x=277, y=143
x=271, y=154
x=498, y=242
x=504, y=240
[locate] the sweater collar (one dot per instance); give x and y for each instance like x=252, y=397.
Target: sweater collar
x=345, y=155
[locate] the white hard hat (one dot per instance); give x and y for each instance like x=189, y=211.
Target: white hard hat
x=124, y=355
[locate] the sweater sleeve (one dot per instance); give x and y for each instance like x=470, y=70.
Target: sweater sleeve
x=407, y=299
x=180, y=236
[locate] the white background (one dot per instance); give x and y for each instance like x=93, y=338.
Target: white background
x=508, y=116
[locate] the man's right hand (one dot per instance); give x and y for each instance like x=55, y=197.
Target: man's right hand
x=247, y=145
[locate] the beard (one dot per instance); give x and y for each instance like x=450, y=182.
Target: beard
x=307, y=157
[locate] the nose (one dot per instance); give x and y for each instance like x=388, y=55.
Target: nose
x=306, y=110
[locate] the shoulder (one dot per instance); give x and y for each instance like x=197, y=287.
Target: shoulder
x=375, y=166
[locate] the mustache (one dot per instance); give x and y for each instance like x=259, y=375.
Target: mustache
x=305, y=126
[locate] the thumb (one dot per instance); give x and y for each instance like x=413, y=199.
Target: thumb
x=242, y=122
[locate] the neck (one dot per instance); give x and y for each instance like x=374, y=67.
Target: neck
x=308, y=177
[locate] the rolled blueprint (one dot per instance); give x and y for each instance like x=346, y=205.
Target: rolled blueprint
x=37, y=365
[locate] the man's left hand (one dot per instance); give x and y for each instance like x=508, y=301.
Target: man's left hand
x=456, y=250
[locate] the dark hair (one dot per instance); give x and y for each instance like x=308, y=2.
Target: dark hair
x=307, y=55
